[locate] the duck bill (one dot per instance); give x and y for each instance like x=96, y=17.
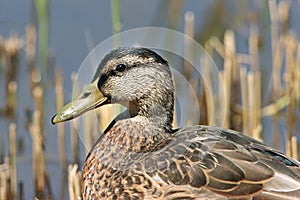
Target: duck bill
x=89, y=99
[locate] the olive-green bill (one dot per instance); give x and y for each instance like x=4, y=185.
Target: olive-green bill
x=89, y=99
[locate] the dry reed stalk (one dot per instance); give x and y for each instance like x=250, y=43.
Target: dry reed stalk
x=274, y=108
x=39, y=158
x=106, y=116
x=208, y=88
x=276, y=47
x=189, y=31
x=288, y=147
x=188, y=43
x=297, y=76
x=60, y=126
x=12, y=49
x=11, y=99
x=4, y=189
x=204, y=105
x=31, y=38
x=37, y=152
x=257, y=106
x=12, y=161
x=290, y=49
x=229, y=63
x=89, y=125
x=253, y=46
x=251, y=100
x=70, y=183
x=30, y=45
x=244, y=92
x=230, y=72
x=38, y=96
x=74, y=179
x=254, y=100
x=294, y=147
x=215, y=44
x=254, y=82
x=251, y=89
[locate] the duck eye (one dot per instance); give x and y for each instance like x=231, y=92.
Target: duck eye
x=120, y=67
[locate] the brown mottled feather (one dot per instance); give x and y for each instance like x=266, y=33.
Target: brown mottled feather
x=194, y=157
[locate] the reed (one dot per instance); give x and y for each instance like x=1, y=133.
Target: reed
x=244, y=94
x=59, y=91
x=208, y=88
x=116, y=21
x=189, y=26
x=189, y=20
x=229, y=68
x=294, y=147
x=12, y=49
x=12, y=161
x=38, y=153
x=4, y=188
x=74, y=180
x=89, y=127
x=31, y=45
x=34, y=73
x=11, y=100
x=42, y=11
x=41, y=178
x=290, y=49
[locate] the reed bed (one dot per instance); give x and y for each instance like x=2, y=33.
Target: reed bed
x=284, y=97
x=241, y=73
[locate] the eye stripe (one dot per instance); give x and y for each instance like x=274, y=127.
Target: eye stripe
x=102, y=80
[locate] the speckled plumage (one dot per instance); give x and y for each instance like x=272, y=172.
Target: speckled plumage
x=140, y=156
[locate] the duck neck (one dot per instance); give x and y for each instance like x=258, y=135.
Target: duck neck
x=158, y=114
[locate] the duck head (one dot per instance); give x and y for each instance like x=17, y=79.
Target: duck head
x=137, y=78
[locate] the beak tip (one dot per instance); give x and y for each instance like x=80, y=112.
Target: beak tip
x=53, y=120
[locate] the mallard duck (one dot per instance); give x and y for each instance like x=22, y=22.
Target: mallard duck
x=140, y=155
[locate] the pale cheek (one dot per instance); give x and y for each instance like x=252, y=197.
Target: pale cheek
x=132, y=88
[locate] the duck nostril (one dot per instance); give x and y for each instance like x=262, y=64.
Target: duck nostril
x=86, y=94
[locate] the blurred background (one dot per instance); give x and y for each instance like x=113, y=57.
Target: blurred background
x=254, y=43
